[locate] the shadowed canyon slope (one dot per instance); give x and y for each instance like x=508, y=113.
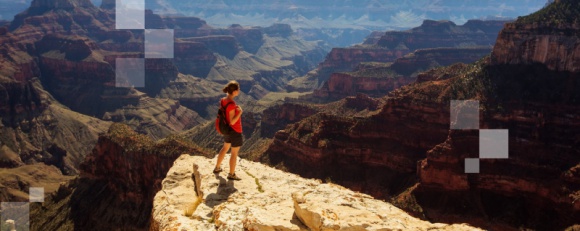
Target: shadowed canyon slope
x=116, y=186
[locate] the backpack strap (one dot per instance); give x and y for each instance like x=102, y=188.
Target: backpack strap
x=225, y=110
x=227, y=104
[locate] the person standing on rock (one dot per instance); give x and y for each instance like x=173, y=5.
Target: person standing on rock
x=235, y=138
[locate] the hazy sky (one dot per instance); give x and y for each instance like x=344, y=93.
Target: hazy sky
x=373, y=14
x=345, y=13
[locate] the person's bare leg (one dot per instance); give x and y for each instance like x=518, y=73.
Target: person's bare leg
x=222, y=154
x=233, y=159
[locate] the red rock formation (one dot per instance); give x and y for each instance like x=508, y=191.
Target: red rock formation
x=380, y=147
x=535, y=99
x=185, y=27
x=277, y=117
x=74, y=48
x=425, y=59
x=539, y=43
x=540, y=123
x=410, y=128
x=61, y=17
x=377, y=79
x=531, y=179
x=29, y=27
x=341, y=85
x=348, y=58
x=36, y=128
x=344, y=59
x=21, y=98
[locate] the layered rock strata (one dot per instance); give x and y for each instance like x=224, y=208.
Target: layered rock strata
x=377, y=79
x=395, y=44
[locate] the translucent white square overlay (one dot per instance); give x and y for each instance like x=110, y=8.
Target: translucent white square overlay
x=36, y=194
x=159, y=43
x=130, y=72
x=130, y=14
x=471, y=165
x=493, y=143
x=19, y=212
x=464, y=114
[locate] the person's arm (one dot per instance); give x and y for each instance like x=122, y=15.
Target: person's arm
x=233, y=116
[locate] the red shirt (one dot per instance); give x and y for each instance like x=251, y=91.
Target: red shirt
x=238, y=125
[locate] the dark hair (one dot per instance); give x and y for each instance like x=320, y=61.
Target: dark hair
x=231, y=87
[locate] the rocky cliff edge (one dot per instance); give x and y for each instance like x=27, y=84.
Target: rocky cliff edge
x=194, y=198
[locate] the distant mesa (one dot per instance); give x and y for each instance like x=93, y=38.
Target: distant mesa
x=432, y=34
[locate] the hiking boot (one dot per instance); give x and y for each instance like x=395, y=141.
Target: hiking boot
x=217, y=170
x=233, y=177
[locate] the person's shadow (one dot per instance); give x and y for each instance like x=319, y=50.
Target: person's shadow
x=224, y=190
